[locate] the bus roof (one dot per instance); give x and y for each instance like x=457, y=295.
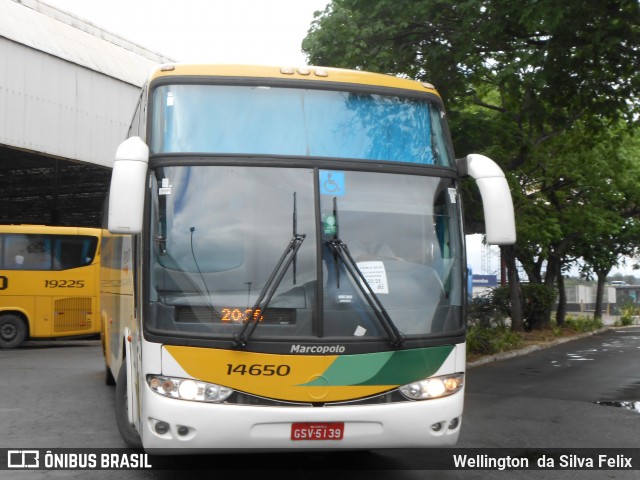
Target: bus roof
x=326, y=74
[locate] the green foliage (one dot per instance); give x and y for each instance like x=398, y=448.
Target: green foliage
x=541, y=87
x=627, y=312
x=488, y=331
x=486, y=311
x=538, y=300
x=546, y=59
x=582, y=323
x=491, y=340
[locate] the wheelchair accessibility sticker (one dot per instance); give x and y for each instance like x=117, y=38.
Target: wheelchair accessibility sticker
x=331, y=183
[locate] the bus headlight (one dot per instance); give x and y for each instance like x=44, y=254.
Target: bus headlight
x=188, y=389
x=434, y=387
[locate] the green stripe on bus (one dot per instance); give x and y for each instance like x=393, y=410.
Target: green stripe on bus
x=384, y=368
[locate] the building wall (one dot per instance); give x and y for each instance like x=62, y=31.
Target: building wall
x=56, y=107
x=67, y=87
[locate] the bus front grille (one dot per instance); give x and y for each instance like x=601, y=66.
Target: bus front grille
x=72, y=315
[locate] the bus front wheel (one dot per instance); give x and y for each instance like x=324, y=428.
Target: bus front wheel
x=13, y=331
x=127, y=431
x=108, y=376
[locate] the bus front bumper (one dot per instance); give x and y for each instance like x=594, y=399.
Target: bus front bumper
x=187, y=425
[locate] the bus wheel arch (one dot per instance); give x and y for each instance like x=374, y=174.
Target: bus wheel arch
x=127, y=431
x=13, y=330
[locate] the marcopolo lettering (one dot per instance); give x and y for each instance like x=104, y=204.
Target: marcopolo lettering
x=322, y=349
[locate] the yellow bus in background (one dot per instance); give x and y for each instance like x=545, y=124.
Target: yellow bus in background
x=49, y=282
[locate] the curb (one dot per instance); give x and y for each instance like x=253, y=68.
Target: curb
x=532, y=348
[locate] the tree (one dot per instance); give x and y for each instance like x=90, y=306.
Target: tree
x=549, y=62
x=582, y=204
x=617, y=235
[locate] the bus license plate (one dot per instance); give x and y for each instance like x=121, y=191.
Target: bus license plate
x=317, y=431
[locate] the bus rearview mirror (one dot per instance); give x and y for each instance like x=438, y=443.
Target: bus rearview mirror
x=126, y=193
x=497, y=204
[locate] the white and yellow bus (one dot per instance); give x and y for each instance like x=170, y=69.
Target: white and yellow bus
x=284, y=262
x=48, y=282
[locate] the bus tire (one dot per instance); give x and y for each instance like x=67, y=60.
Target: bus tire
x=13, y=331
x=108, y=376
x=127, y=431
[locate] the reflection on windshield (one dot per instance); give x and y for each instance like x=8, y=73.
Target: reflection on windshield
x=287, y=121
x=218, y=231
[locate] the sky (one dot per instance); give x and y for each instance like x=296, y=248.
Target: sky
x=267, y=32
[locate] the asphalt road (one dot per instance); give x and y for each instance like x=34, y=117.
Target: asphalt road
x=562, y=397
x=580, y=394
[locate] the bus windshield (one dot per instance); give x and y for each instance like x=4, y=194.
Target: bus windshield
x=300, y=122
x=218, y=231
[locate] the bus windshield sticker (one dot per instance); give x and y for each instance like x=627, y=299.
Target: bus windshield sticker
x=344, y=298
x=360, y=331
x=376, y=275
x=332, y=183
x=165, y=187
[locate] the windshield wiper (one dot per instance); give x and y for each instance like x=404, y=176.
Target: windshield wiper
x=262, y=302
x=340, y=250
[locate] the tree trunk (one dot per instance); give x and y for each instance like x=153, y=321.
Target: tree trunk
x=515, y=294
x=602, y=278
x=561, y=312
x=553, y=274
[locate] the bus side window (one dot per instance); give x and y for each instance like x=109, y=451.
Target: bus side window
x=73, y=252
x=27, y=252
x=14, y=252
